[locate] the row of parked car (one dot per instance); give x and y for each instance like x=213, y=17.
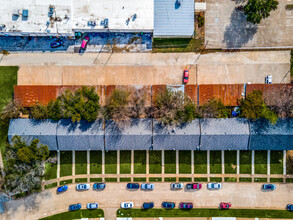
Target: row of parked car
x=82, y=187
x=171, y=205
x=90, y=206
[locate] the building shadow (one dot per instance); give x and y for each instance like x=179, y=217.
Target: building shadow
x=240, y=31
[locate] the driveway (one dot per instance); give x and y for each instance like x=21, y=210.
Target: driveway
x=226, y=27
x=151, y=69
x=241, y=195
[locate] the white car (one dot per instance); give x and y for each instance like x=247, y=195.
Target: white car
x=83, y=186
x=149, y=186
x=93, y=205
x=214, y=185
x=177, y=185
x=268, y=79
x=126, y=205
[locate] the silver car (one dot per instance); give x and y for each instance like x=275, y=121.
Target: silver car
x=93, y=205
x=82, y=186
x=214, y=185
x=126, y=205
x=147, y=186
x=177, y=185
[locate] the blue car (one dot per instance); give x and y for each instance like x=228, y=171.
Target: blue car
x=74, y=207
x=61, y=189
x=57, y=43
x=269, y=187
x=99, y=186
x=290, y=207
x=132, y=186
x=168, y=205
x=148, y=205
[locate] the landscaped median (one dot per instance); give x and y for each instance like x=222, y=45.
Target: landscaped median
x=83, y=213
x=244, y=213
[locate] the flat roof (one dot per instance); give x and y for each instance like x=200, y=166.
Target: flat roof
x=122, y=15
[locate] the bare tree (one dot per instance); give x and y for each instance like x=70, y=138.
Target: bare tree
x=12, y=110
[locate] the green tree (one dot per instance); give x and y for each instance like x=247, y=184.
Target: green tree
x=214, y=109
x=256, y=10
x=254, y=107
x=24, y=165
x=39, y=111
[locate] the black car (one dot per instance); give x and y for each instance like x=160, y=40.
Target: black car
x=168, y=205
x=148, y=205
x=132, y=186
x=57, y=43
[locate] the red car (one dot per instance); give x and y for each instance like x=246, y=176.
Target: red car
x=84, y=42
x=185, y=76
x=185, y=205
x=225, y=205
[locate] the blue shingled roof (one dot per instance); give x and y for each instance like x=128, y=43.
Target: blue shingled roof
x=137, y=136
x=30, y=129
x=80, y=135
x=265, y=136
x=224, y=134
x=184, y=137
x=171, y=19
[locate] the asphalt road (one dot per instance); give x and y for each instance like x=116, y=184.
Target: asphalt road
x=241, y=195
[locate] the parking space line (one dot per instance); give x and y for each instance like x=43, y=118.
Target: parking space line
x=208, y=165
x=73, y=163
x=88, y=165
x=118, y=165
x=132, y=164
x=103, y=164
x=192, y=164
x=177, y=165
x=269, y=164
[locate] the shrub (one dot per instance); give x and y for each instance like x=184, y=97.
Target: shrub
x=214, y=109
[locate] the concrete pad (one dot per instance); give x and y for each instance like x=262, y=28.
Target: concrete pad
x=226, y=27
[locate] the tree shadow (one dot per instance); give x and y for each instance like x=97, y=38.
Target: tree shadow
x=240, y=31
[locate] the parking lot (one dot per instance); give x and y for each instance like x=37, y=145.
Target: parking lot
x=98, y=42
x=226, y=27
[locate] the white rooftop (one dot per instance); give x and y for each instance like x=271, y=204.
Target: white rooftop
x=76, y=14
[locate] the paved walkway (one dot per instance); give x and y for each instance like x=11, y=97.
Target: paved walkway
x=48, y=202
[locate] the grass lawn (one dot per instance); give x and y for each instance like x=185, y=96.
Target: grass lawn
x=216, y=179
x=52, y=185
x=185, y=161
x=139, y=179
x=8, y=78
x=170, y=161
x=82, y=213
x=200, y=162
x=64, y=182
x=276, y=180
x=65, y=163
x=289, y=180
x=230, y=179
x=170, y=179
x=139, y=161
x=215, y=162
x=155, y=179
x=261, y=180
x=167, y=45
x=95, y=162
x=244, y=179
x=111, y=162
x=185, y=179
x=81, y=180
x=276, y=162
x=245, y=213
x=200, y=179
x=95, y=179
x=155, y=161
x=125, y=179
x=110, y=179
x=80, y=162
x=230, y=161
x=260, y=161
x=245, y=162
x=125, y=161
x=51, y=168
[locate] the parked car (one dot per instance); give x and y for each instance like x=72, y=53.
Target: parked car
x=186, y=76
x=225, y=205
x=185, y=205
x=193, y=186
x=148, y=186
x=132, y=186
x=214, y=185
x=148, y=205
x=92, y=205
x=84, y=42
x=61, y=189
x=177, y=185
x=126, y=205
x=57, y=43
x=99, y=186
x=269, y=186
x=168, y=205
x=74, y=207
x=82, y=186
x=290, y=207
x=268, y=79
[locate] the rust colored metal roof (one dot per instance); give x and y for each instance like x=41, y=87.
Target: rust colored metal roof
x=228, y=93
x=191, y=92
x=31, y=95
